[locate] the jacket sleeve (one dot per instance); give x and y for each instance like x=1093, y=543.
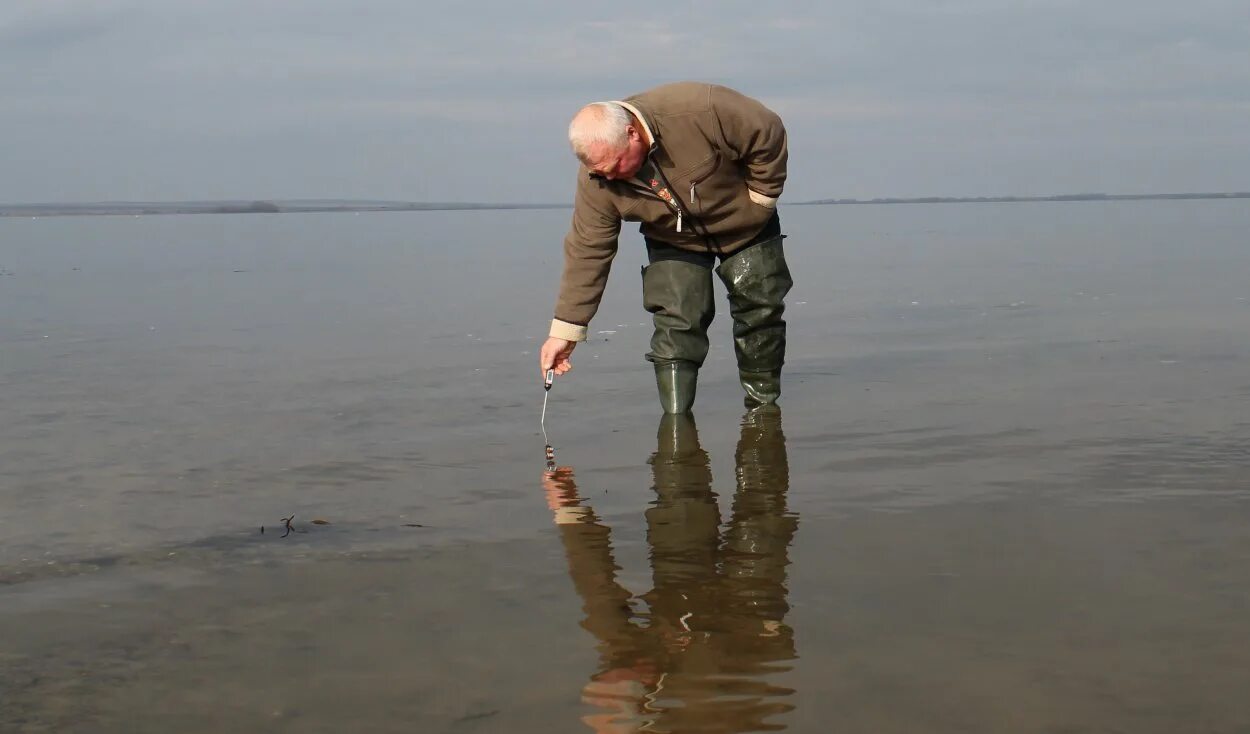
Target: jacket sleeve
x=756, y=135
x=589, y=249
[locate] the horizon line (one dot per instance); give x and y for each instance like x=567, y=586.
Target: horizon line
x=312, y=205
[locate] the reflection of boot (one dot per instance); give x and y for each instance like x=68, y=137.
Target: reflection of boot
x=679, y=296
x=761, y=455
x=683, y=523
x=761, y=527
x=680, y=467
x=757, y=280
x=677, y=443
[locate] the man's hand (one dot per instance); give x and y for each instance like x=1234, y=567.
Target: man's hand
x=555, y=355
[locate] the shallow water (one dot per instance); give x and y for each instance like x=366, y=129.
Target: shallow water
x=1005, y=491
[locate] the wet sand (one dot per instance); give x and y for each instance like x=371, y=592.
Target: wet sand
x=1005, y=491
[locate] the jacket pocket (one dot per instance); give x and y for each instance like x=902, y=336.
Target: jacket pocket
x=697, y=175
x=702, y=169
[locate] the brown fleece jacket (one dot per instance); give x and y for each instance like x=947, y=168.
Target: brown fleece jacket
x=722, y=157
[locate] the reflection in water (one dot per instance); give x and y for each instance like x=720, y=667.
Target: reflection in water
x=713, y=628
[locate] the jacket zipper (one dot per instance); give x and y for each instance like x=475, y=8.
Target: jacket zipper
x=676, y=202
x=709, y=240
x=694, y=194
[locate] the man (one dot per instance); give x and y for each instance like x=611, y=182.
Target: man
x=701, y=167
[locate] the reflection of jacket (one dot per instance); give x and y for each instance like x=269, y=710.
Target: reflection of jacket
x=722, y=157
x=698, y=656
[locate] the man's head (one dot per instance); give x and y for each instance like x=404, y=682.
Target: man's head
x=609, y=140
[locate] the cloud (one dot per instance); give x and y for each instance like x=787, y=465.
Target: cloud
x=222, y=87
x=30, y=32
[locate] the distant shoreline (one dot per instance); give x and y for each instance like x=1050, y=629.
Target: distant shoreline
x=276, y=206
x=304, y=206
x=1015, y=199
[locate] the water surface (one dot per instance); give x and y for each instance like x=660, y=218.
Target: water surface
x=1005, y=490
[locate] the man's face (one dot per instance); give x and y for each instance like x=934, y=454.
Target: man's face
x=617, y=163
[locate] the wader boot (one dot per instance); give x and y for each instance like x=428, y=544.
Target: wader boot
x=757, y=280
x=678, y=295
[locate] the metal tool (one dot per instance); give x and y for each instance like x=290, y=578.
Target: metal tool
x=548, y=379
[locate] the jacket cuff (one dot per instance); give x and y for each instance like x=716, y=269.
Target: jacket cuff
x=758, y=198
x=565, y=330
x=570, y=515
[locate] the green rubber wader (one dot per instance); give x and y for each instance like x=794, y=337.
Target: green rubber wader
x=758, y=280
x=678, y=295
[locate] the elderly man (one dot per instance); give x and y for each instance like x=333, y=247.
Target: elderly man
x=701, y=167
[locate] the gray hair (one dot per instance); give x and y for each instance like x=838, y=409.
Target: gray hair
x=600, y=122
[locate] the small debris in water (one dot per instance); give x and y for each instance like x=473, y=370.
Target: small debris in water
x=412, y=525
x=478, y=715
x=319, y=521
x=287, y=522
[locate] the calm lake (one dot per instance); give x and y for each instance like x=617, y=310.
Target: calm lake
x=1007, y=489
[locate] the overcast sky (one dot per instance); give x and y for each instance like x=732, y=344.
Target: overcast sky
x=396, y=99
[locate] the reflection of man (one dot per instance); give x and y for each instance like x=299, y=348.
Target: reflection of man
x=697, y=657
x=701, y=167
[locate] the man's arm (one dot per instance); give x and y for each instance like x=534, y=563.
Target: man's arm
x=757, y=137
x=589, y=249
